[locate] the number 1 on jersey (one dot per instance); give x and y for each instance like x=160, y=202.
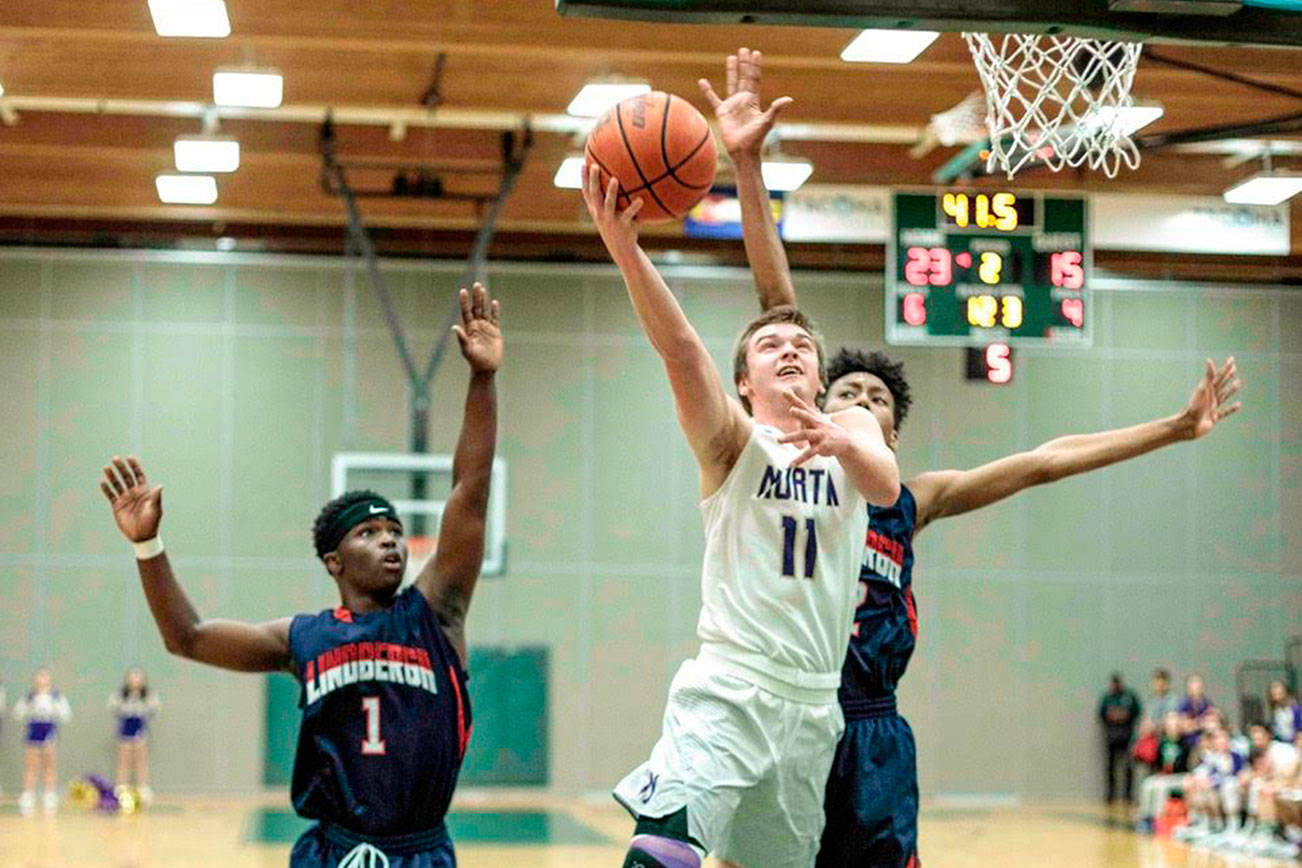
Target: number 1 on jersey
x=789, y=528
x=372, y=745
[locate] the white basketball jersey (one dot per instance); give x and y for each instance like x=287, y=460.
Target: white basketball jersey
x=783, y=546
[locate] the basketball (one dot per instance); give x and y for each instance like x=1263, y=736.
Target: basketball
x=660, y=148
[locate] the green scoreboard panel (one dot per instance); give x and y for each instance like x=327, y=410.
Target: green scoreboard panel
x=967, y=267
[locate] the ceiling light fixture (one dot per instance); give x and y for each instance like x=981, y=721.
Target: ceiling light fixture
x=888, y=46
x=206, y=154
x=595, y=97
x=205, y=18
x=784, y=174
x=186, y=189
x=254, y=88
x=1126, y=120
x=1265, y=188
x=569, y=175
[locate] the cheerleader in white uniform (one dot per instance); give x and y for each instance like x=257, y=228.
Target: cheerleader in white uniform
x=133, y=705
x=42, y=709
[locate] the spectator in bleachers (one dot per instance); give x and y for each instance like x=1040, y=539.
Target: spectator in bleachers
x=1119, y=711
x=1160, y=704
x=1287, y=801
x=1285, y=712
x=1168, y=772
x=1193, y=708
x=1273, y=764
x=1212, y=789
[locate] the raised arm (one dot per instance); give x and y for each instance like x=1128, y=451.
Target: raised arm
x=236, y=645
x=854, y=439
x=715, y=424
x=448, y=579
x=743, y=125
x=953, y=492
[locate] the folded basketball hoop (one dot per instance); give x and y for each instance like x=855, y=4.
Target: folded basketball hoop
x=1059, y=100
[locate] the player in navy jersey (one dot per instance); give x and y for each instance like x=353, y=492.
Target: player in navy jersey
x=872, y=795
x=386, y=718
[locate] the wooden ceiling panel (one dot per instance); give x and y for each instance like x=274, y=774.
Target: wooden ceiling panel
x=505, y=60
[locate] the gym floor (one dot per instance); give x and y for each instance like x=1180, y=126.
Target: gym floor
x=502, y=829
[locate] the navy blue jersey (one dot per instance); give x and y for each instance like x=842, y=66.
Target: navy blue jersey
x=886, y=619
x=386, y=718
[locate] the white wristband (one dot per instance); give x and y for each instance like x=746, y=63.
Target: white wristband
x=150, y=548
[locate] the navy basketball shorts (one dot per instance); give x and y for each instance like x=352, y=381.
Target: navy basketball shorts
x=320, y=847
x=871, y=800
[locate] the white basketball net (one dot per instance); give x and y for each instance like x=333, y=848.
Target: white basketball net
x=1056, y=99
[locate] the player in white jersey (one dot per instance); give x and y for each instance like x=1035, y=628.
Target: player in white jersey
x=752, y=722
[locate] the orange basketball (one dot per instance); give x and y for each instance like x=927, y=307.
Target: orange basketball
x=660, y=148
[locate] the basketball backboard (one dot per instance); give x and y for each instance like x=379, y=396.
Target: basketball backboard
x=392, y=474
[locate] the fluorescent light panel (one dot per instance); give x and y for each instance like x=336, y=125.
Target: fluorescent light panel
x=569, y=176
x=593, y=99
x=1128, y=119
x=251, y=89
x=190, y=18
x=888, y=46
x=186, y=189
x=1265, y=189
x=785, y=175
x=206, y=154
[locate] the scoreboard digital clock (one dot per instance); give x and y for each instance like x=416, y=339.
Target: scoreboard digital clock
x=967, y=267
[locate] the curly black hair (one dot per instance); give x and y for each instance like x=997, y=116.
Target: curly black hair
x=330, y=511
x=881, y=366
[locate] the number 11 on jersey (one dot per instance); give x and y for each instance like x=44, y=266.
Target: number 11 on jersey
x=789, y=534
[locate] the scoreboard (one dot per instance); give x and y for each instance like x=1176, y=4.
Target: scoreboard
x=967, y=267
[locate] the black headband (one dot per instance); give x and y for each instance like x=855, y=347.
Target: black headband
x=353, y=515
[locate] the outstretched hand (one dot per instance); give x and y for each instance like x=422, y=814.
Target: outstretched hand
x=137, y=508
x=1210, y=402
x=819, y=434
x=743, y=124
x=618, y=229
x=480, y=332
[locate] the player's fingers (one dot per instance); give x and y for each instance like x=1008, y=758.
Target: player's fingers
x=612, y=194
x=1228, y=391
x=809, y=417
x=732, y=74
x=1209, y=371
x=710, y=96
x=804, y=456
x=157, y=497
x=137, y=472
x=1226, y=371
x=113, y=480
x=756, y=58
x=123, y=472
x=462, y=337
x=479, y=300
x=776, y=107
x=797, y=436
x=1229, y=411
x=796, y=401
x=108, y=492
x=592, y=193
x=463, y=299
x=743, y=69
x=495, y=312
x=630, y=213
